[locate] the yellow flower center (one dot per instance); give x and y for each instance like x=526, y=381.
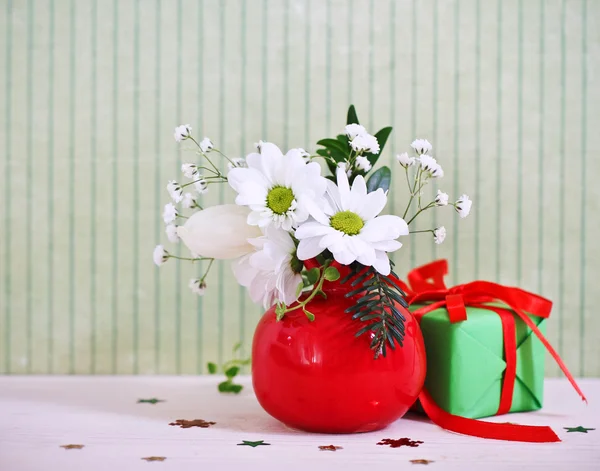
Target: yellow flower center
x=348, y=222
x=279, y=199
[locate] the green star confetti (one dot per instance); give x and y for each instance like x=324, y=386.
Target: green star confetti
x=150, y=401
x=253, y=444
x=578, y=429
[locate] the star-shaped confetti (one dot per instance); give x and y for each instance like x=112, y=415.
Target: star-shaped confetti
x=150, y=401
x=192, y=423
x=578, y=429
x=397, y=443
x=329, y=448
x=421, y=461
x=72, y=447
x=253, y=444
x=154, y=458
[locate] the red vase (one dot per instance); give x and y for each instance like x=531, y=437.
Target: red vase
x=318, y=377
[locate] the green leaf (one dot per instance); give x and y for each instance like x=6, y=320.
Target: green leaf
x=236, y=388
x=352, y=118
x=313, y=275
x=333, y=144
x=237, y=346
x=225, y=386
x=280, y=311
x=310, y=315
x=321, y=293
x=299, y=288
x=232, y=372
x=212, y=368
x=331, y=274
x=380, y=179
x=382, y=137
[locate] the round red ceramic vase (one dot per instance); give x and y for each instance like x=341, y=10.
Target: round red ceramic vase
x=319, y=377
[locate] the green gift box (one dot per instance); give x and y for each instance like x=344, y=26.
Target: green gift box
x=466, y=362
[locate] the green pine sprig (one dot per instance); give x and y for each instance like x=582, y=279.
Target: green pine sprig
x=377, y=306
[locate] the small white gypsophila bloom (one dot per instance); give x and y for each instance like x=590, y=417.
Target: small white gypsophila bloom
x=182, y=132
x=362, y=163
x=259, y=145
x=439, y=235
x=463, y=206
x=206, y=144
x=171, y=231
x=353, y=130
x=345, y=166
x=404, y=160
x=190, y=171
x=421, y=146
x=201, y=186
x=430, y=165
x=175, y=191
x=160, y=255
x=239, y=162
x=441, y=199
x=188, y=201
x=365, y=142
x=170, y=213
x=197, y=286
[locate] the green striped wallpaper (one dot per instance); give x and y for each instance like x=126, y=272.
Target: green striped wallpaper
x=506, y=90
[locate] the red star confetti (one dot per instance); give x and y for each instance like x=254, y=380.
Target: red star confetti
x=72, y=447
x=154, y=458
x=421, y=461
x=192, y=423
x=397, y=443
x=329, y=448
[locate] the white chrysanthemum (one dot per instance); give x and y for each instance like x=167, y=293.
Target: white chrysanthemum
x=182, y=132
x=350, y=228
x=201, y=186
x=441, y=199
x=197, y=286
x=175, y=191
x=160, y=255
x=190, y=171
x=365, y=143
x=170, y=213
x=439, y=235
x=404, y=160
x=188, y=201
x=430, y=165
x=171, y=231
x=421, y=146
x=272, y=272
x=362, y=163
x=353, y=130
x=206, y=145
x=463, y=206
x=276, y=187
x=239, y=162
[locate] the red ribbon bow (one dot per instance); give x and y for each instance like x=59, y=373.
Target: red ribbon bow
x=427, y=285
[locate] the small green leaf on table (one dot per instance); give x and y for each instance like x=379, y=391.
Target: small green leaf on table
x=212, y=368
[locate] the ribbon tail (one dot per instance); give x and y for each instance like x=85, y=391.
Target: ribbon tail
x=477, y=428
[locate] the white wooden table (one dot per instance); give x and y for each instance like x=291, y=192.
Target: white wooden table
x=39, y=414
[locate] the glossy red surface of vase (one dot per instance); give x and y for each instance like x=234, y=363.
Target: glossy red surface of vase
x=318, y=377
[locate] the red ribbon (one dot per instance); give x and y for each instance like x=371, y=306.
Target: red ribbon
x=427, y=285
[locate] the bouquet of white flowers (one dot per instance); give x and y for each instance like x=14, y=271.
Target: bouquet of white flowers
x=287, y=213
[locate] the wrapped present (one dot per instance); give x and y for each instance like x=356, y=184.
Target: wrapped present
x=485, y=353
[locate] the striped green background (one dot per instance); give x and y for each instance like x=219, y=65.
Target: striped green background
x=91, y=90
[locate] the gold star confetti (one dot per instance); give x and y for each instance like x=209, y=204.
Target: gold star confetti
x=154, y=458
x=421, y=461
x=192, y=423
x=72, y=447
x=329, y=448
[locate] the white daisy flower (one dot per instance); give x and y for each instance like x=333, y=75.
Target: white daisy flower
x=439, y=235
x=463, y=206
x=201, y=186
x=237, y=163
x=272, y=273
x=160, y=255
x=171, y=231
x=421, y=146
x=350, y=228
x=206, y=145
x=404, y=160
x=365, y=142
x=190, y=171
x=175, y=191
x=441, y=199
x=301, y=152
x=197, y=286
x=170, y=213
x=182, y=132
x=362, y=163
x=188, y=201
x=430, y=165
x=276, y=187
x=353, y=130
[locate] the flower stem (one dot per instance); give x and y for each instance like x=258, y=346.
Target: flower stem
x=219, y=152
x=418, y=232
x=430, y=205
x=212, y=260
x=199, y=259
x=317, y=289
x=205, y=156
